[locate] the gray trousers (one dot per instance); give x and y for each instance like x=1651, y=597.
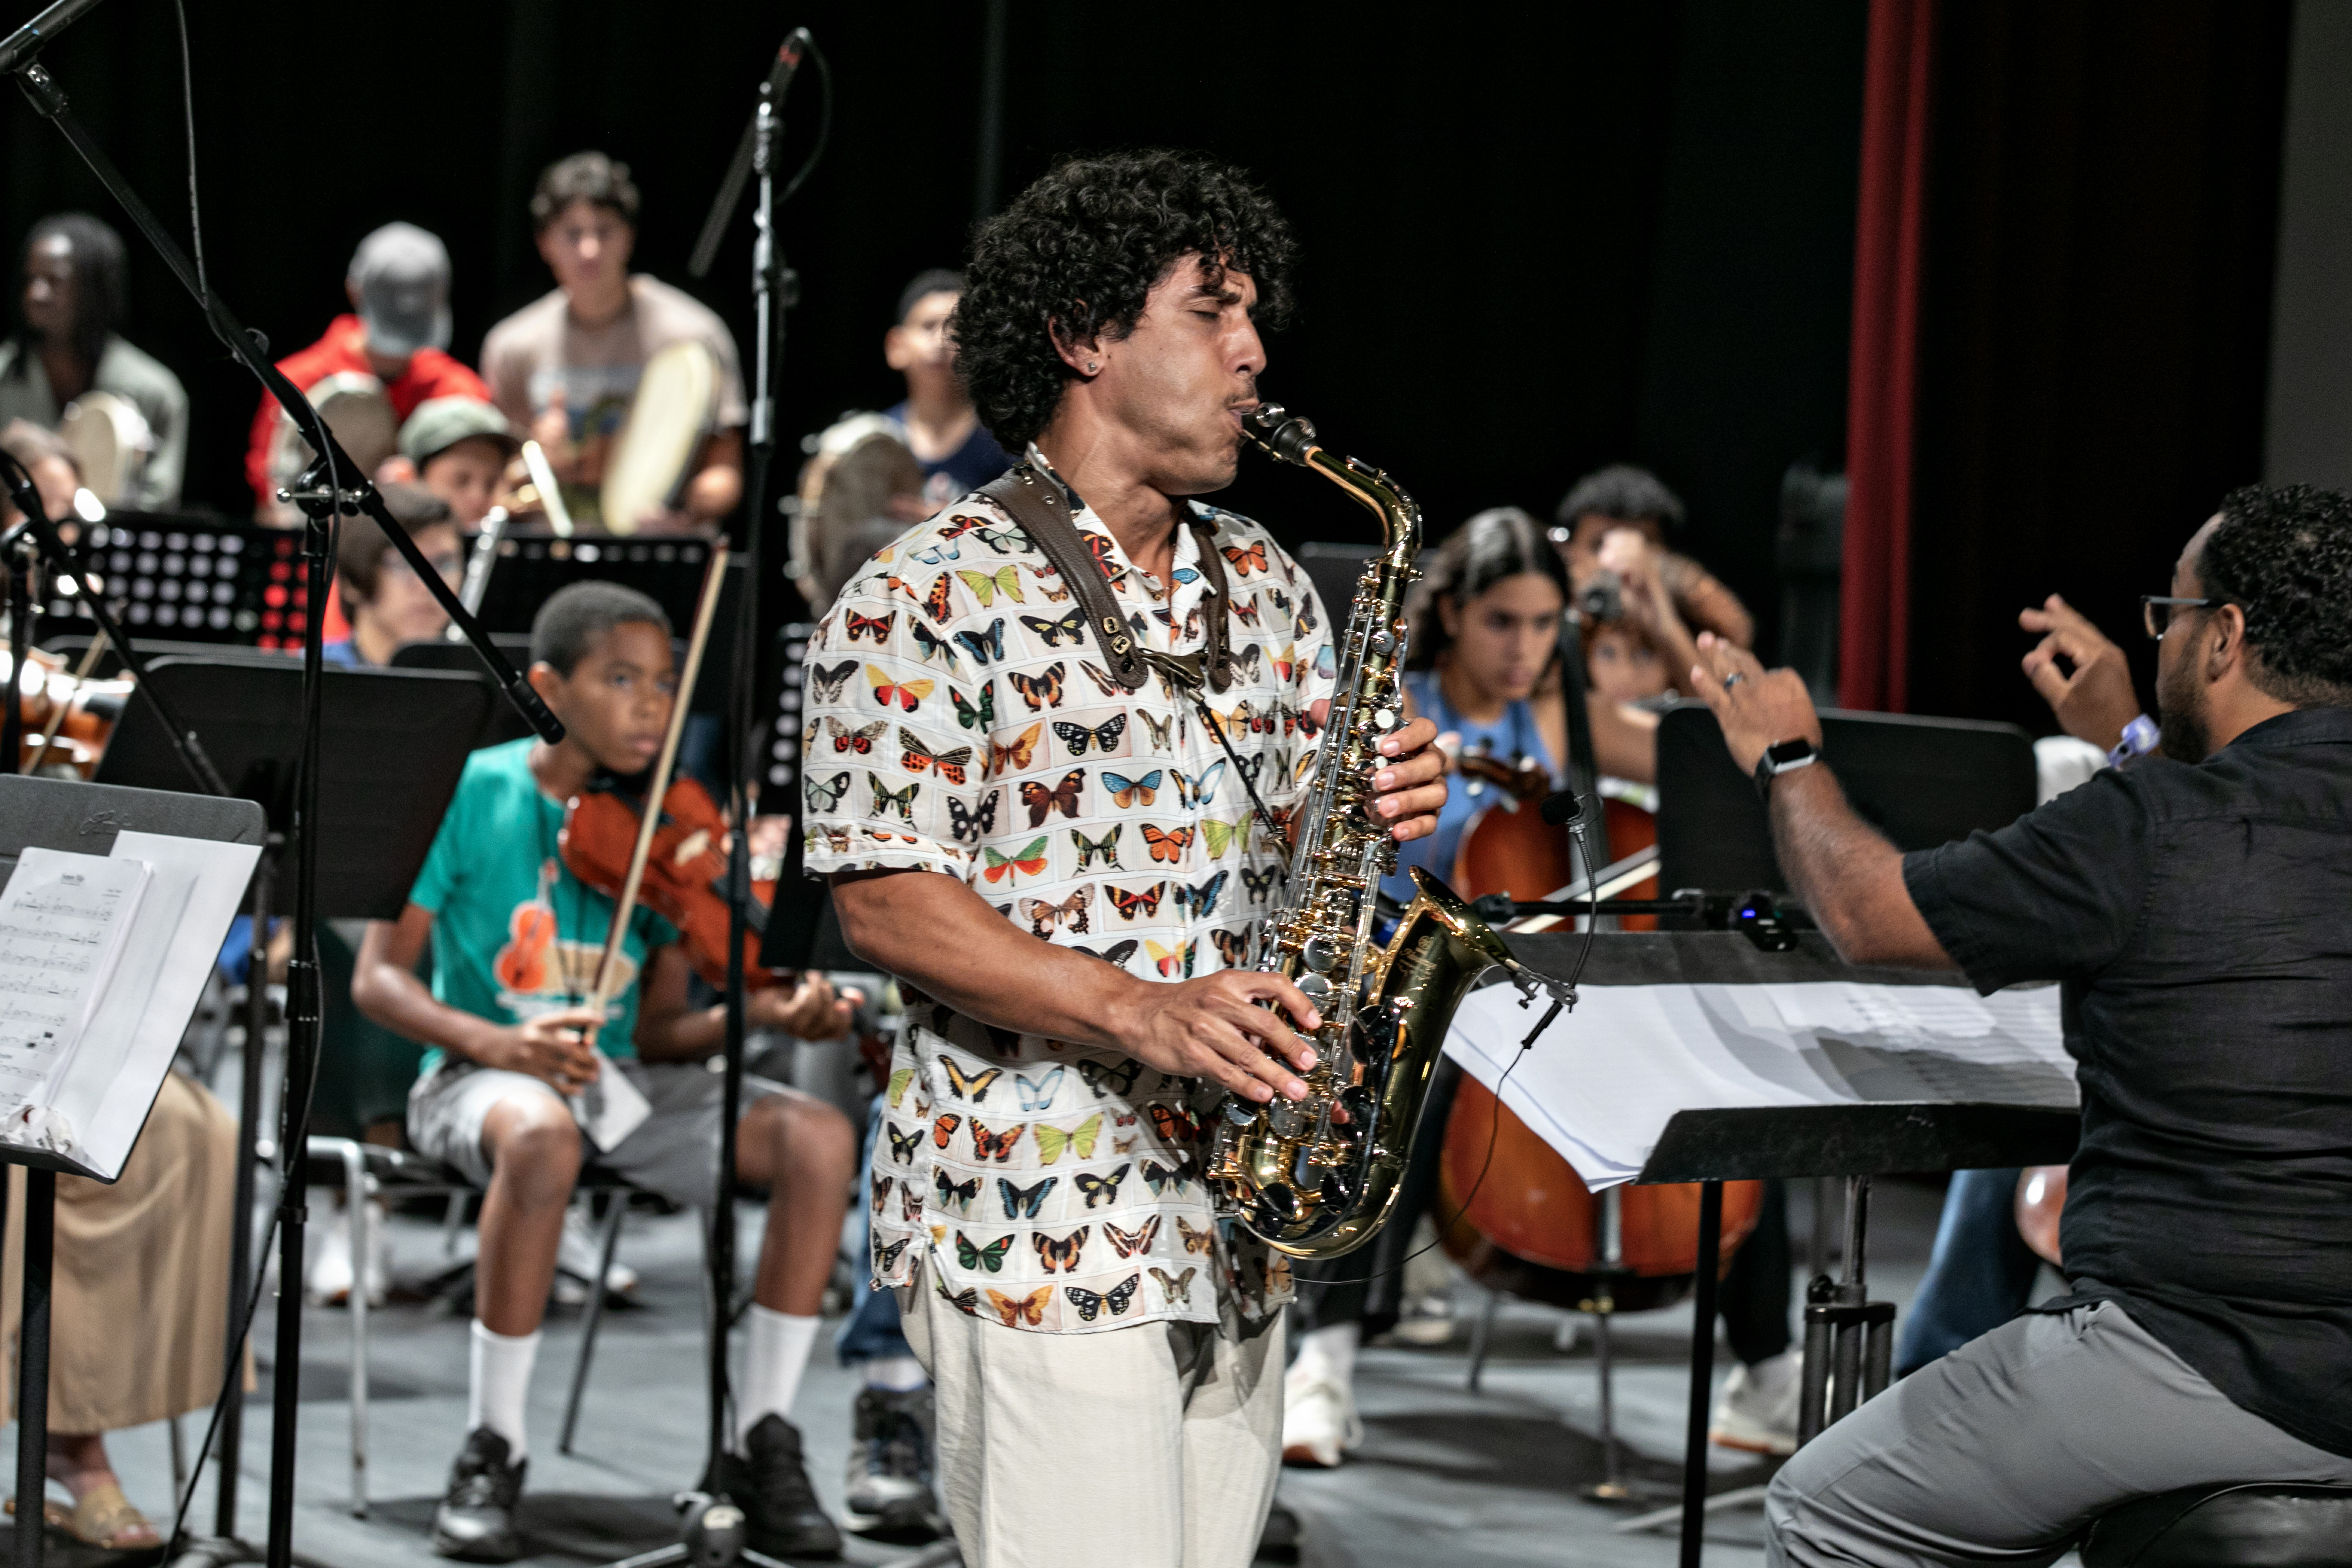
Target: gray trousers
x=2005, y=1450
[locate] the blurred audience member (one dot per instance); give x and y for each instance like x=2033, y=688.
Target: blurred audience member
x=937, y=420
x=565, y=367
x=378, y=364
x=386, y=602
x=68, y=343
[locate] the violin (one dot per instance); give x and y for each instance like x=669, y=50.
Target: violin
x=673, y=859
x=67, y=717
x=685, y=873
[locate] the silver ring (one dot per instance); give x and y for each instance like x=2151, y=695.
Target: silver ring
x=1733, y=679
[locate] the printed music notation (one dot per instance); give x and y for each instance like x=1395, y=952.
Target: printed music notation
x=63, y=921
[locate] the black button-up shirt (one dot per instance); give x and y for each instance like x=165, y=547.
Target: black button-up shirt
x=2200, y=920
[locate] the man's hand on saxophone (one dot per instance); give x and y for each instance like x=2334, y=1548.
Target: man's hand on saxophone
x=1409, y=785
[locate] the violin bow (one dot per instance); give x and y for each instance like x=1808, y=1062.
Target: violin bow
x=649, y=819
x=58, y=708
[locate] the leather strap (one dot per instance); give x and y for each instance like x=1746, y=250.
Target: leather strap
x=1043, y=513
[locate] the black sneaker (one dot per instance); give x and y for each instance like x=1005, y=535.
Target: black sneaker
x=771, y=1485
x=475, y=1522
x=889, y=1495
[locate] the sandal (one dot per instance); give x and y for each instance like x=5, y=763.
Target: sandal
x=105, y=1518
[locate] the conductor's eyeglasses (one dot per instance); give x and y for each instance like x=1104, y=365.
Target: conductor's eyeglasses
x=2156, y=610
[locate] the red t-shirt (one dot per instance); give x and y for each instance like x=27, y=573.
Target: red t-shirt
x=431, y=372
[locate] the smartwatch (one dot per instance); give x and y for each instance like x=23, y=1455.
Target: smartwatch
x=1785, y=757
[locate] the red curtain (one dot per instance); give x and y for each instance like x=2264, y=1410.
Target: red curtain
x=1874, y=629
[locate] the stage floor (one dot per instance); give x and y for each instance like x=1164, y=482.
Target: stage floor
x=1445, y=1476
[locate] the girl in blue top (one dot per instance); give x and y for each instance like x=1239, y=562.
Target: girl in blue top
x=1486, y=626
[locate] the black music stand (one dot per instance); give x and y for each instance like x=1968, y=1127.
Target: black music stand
x=1842, y=1326
x=1921, y=782
x=399, y=742
x=533, y=563
x=1855, y=1142
x=195, y=578
x=84, y=819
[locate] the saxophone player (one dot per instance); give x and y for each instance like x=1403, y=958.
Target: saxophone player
x=1069, y=873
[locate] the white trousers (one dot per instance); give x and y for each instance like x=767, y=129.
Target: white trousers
x=1155, y=1446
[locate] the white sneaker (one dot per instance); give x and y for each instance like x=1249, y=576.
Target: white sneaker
x=1319, y=1420
x=577, y=1253
x=1426, y=1323
x=1758, y=1411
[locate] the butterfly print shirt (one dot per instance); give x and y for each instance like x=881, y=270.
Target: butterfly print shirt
x=960, y=721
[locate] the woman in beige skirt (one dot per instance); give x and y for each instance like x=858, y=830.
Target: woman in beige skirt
x=140, y=1303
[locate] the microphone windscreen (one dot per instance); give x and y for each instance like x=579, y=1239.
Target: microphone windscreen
x=1562, y=807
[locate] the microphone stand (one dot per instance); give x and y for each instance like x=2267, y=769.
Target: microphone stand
x=712, y=1534
x=331, y=487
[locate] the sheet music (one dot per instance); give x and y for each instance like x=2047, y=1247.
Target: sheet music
x=65, y=920
x=1600, y=1084
x=177, y=933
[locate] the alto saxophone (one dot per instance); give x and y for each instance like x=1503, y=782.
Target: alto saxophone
x=1316, y=1178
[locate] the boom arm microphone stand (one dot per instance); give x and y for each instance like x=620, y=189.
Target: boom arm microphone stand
x=332, y=485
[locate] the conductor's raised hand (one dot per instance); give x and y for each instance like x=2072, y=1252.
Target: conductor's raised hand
x=1758, y=708
x=1213, y=1027
x=553, y=1048
x=2080, y=674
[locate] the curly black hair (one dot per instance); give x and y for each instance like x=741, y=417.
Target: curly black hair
x=2285, y=556
x=1624, y=493
x=1081, y=248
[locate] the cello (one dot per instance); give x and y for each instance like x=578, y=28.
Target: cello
x=1531, y=1226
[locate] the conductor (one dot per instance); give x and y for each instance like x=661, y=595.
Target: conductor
x=2197, y=908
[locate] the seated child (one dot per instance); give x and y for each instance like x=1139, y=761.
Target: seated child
x=384, y=602
x=515, y=942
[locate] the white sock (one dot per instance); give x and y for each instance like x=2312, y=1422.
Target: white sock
x=893, y=1373
x=1328, y=1355
x=779, y=1352
x=501, y=1377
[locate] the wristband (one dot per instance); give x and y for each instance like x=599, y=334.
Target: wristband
x=2139, y=738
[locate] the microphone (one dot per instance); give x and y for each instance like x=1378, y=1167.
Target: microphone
x=796, y=49
x=17, y=50
x=1561, y=808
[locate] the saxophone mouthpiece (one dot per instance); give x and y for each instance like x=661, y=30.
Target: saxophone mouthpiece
x=1285, y=435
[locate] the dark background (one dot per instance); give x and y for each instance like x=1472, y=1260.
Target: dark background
x=1534, y=243
x=1537, y=240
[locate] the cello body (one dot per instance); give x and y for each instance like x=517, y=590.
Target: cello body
x=1531, y=1225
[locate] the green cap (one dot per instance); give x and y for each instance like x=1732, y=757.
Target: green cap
x=440, y=422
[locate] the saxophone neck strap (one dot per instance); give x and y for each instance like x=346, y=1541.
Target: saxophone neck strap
x=1042, y=511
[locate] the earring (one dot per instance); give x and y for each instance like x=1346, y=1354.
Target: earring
x=1092, y=367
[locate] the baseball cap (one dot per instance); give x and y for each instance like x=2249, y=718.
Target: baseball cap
x=402, y=274
x=440, y=422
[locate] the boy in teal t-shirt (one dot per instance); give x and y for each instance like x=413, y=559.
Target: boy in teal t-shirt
x=516, y=941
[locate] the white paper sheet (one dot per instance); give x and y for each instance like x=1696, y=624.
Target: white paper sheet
x=1600, y=1084
x=610, y=1109
x=196, y=887
x=65, y=922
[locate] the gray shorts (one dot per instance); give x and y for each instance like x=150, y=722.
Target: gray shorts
x=674, y=1152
